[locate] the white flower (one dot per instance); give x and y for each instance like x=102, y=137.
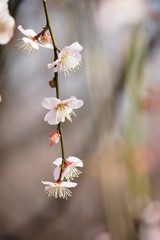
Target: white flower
x=6, y=23
x=59, y=110
x=31, y=42
x=70, y=170
x=69, y=59
x=59, y=189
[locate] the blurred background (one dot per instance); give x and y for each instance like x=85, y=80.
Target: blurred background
x=116, y=133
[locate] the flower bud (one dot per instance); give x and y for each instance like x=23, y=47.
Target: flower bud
x=54, y=138
x=52, y=83
x=46, y=38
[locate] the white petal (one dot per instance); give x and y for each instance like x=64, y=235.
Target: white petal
x=50, y=103
x=68, y=184
x=28, y=32
x=50, y=65
x=62, y=184
x=56, y=173
x=33, y=43
x=58, y=161
x=66, y=171
x=48, y=45
x=73, y=103
x=76, y=47
x=50, y=117
x=78, y=56
x=48, y=183
x=76, y=104
x=73, y=48
x=76, y=160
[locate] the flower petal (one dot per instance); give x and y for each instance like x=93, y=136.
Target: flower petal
x=50, y=103
x=33, y=43
x=62, y=184
x=68, y=184
x=50, y=65
x=48, y=183
x=50, y=117
x=76, y=160
x=58, y=161
x=73, y=102
x=28, y=32
x=56, y=173
x=48, y=45
x=75, y=47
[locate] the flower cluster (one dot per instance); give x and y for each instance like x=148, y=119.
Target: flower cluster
x=70, y=171
x=68, y=59
x=65, y=168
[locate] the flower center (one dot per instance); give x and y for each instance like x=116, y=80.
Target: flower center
x=67, y=163
x=64, y=57
x=69, y=60
x=61, y=108
x=62, y=112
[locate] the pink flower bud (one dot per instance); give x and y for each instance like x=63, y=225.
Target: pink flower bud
x=46, y=38
x=54, y=138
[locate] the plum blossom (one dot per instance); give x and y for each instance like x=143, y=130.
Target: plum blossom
x=59, y=110
x=69, y=59
x=31, y=42
x=59, y=189
x=54, y=138
x=70, y=170
x=7, y=23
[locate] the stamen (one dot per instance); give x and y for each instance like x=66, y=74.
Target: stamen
x=61, y=192
x=74, y=172
x=26, y=48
